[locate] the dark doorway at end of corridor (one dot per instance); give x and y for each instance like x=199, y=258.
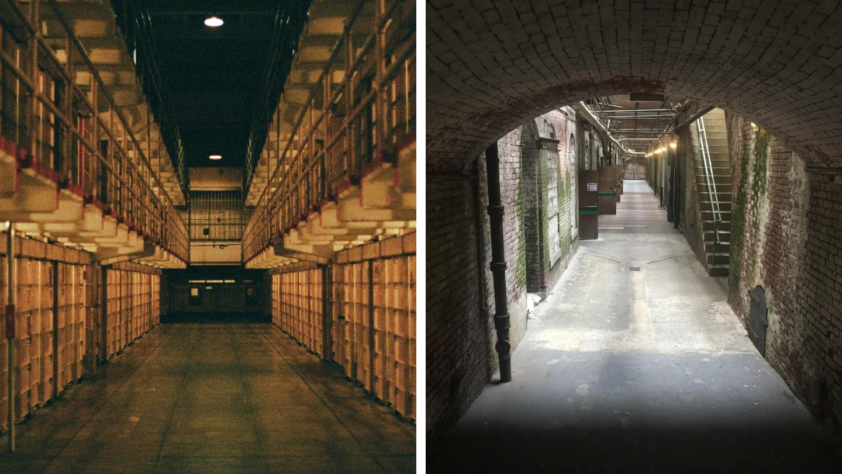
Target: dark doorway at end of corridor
x=215, y=294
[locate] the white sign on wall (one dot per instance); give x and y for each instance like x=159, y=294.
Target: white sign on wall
x=591, y=186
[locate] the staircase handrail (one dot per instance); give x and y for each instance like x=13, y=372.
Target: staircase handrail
x=704, y=150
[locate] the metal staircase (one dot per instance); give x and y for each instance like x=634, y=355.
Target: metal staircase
x=714, y=191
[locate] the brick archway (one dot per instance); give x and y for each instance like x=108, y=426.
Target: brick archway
x=491, y=66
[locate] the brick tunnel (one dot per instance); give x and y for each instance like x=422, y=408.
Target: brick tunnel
x=691, y=301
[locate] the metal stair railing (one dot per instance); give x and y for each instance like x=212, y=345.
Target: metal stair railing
x=704, y=150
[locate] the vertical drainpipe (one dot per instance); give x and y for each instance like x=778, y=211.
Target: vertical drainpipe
x=10, y=328
x=498, y=264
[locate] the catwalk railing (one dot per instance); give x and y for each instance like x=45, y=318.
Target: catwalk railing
x=289, y=20
x=347, y=124
x=135, y=23
x=59, y=118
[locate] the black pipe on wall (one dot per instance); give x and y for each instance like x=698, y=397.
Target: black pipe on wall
x=498, y=264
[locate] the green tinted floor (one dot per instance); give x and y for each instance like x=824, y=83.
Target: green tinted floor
x=214, y=398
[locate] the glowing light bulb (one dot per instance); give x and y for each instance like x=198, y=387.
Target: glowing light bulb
x=214, y=21
x=215, y=157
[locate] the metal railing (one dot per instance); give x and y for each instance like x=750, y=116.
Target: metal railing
x=135, y=24
x=346, y=125
x=58, y=112
x=289, y=21
x=704, y=151
x=216, y=216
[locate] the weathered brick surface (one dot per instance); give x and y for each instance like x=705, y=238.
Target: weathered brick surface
x=460, y=307
x=691, y=225
x=787, y=238
x=491, y=66
x=535, y=208
x=563, y=121
x=510, y=149
x=457, y=324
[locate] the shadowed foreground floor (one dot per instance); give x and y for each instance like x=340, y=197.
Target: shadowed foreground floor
x=214, y=398
x=635, y=363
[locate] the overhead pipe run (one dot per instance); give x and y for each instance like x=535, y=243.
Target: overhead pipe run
x=498, y=264
x=625, y=111
x=692, y=118
x=639, y=117
x=591, y=118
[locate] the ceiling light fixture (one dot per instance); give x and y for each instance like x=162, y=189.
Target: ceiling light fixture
x=214, y=21
x=215, y=157
x=673, y=145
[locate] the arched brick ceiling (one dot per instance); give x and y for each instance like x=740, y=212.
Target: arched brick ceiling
x=492, y=65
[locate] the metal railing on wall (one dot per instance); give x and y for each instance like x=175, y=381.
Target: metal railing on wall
x=58, y=113
x=136, y=25
x=345, y=125
x=289, y=22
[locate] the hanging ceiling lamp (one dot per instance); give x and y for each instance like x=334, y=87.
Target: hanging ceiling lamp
x=214, y=21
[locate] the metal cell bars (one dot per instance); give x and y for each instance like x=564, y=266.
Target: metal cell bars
x=132, y=307
x=300, y=307
x=365, y=105
x=276, y=299
x=58, y=110
x=70, y=323
x=352, y=303
x=394, y=332
x=93, y=319
x=220, y=212
x=51, y=336
x=155, y=300
x=114, y=340
x=34, y=374
x=374, y=328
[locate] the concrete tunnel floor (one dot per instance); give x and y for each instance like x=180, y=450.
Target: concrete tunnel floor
x=206, y=398
x=637, y=371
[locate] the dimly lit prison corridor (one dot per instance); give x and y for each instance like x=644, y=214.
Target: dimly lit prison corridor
x=655, y=335
x=636, y=363
x=208, y=257
x=214, y=398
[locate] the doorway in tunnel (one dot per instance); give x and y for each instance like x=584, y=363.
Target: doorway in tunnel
x=215, y=294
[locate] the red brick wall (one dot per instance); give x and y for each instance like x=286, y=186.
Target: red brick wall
x=791, y=245
x=460, y=296
x=458, y=342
